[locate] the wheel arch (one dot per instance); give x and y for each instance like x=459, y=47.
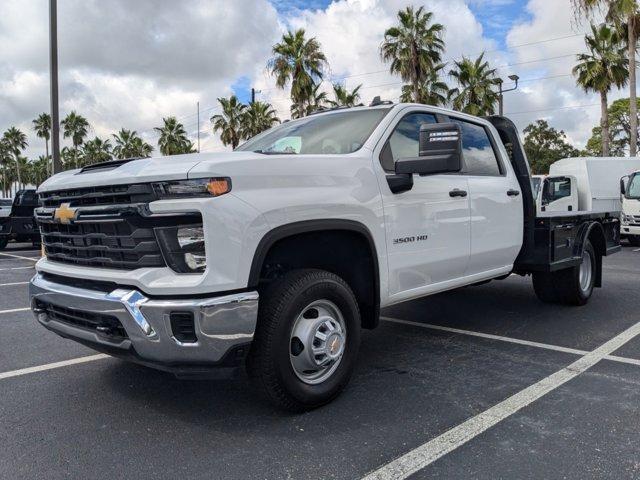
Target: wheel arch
x=328, y=231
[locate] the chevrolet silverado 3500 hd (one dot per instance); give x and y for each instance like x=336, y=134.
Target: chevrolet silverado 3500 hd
x=280, y=252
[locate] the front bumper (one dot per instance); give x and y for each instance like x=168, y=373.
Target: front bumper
x=627, y=229
x=223, y=325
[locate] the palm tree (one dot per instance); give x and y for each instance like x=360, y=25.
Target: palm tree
x=6, y=159
x=474, y=94
x=622, y=13
x=130, y=145
x=42, y=127
x=229, y=123
x=173, y=138
x=413, y=47
x=256, y=118
x=300, y=61
x=16, y=141
x=96, y=151
x=344, y=97
x=75, y=127
x=604, y=67
x=39, y=170
x=431, y=91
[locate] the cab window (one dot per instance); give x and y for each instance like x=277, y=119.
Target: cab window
x=477, y=151
x=403, y=142
x=555, y=189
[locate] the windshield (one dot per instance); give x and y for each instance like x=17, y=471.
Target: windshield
x=334, y=133
x=535, y=186
x=633, y=189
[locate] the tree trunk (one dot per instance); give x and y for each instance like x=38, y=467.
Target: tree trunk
x=49, y=162
x=604, y=124
x=633, y=104
x=18, y=170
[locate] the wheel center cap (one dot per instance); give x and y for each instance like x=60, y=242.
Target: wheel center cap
x=334, y=345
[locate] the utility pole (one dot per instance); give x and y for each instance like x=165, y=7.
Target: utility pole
x=514, y=78
x=253, y=95
x=53, y=69
x=198, y=109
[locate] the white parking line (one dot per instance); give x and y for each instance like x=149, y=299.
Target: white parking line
x=517, y=341
x=16, y=268
x=13, y=310
x=20, y=257
x=11, y=284
x=50, y=366
x=431, y=451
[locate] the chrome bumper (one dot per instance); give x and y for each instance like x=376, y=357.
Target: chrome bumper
x=224, y=325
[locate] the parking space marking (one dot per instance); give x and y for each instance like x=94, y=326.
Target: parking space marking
x=20, y=257
x=11, y=284
x=16, y=268
x=518, y=341
x=489, y=336
x=13, y=310
x=51, y=366
x=429, y=452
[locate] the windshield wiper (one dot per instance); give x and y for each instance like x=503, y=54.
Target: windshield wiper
x=274, y=152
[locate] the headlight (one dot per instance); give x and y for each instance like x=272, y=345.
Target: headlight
x=199, y=187
x=183, y=248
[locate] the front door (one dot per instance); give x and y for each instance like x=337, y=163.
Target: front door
x=428, y=232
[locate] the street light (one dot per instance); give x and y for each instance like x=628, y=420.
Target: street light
x=513, y=78
x=53, y=71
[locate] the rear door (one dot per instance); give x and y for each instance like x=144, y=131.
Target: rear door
x=495, y=200
x=427, y=227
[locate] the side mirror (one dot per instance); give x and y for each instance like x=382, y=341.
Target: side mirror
x=439, y=151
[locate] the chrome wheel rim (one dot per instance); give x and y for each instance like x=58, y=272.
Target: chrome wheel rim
x=318, y=341
x=586, y=271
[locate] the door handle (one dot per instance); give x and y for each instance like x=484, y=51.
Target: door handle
x=513, y=193
x=456, y=192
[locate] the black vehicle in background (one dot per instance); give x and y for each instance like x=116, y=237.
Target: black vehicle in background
x=20, y=225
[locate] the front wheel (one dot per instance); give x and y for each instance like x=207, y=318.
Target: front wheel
x=306, y=340
x=4, y=240
x=571, y=286
x=634, y=240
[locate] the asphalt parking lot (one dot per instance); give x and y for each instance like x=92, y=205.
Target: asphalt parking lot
x=467, y=384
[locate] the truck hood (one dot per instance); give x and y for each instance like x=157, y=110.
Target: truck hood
x=175, y=167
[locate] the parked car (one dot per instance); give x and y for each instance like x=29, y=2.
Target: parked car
x=20, y=224
x=280, y=252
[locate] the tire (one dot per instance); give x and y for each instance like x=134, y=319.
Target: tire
x=571, y=286
x=277, y=353
x=4, y=240
x=634, y=240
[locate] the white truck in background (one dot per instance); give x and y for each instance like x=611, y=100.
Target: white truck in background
x=630, y=197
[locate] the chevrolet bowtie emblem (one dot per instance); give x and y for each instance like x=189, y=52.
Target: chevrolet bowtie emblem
x=64, y=213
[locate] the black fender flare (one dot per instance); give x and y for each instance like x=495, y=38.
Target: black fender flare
x=306, y=226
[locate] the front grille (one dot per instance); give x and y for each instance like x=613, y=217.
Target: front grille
x=100, y=196
x=106, y=325
x=110, y=228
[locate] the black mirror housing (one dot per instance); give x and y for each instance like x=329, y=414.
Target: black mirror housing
x=439, y=151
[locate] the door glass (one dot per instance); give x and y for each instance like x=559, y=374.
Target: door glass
x=555, y=189
x=477, y=151
x=404, y=139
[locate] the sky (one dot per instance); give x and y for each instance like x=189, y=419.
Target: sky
x=129, y=64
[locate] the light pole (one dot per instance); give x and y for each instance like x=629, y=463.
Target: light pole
x=53, y=70
x=513, y=78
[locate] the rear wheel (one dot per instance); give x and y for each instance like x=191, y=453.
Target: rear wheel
x=571, y=286
x=306, y=340
x=4, y=240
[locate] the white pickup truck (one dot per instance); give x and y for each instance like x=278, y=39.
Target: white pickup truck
x=280, y=252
